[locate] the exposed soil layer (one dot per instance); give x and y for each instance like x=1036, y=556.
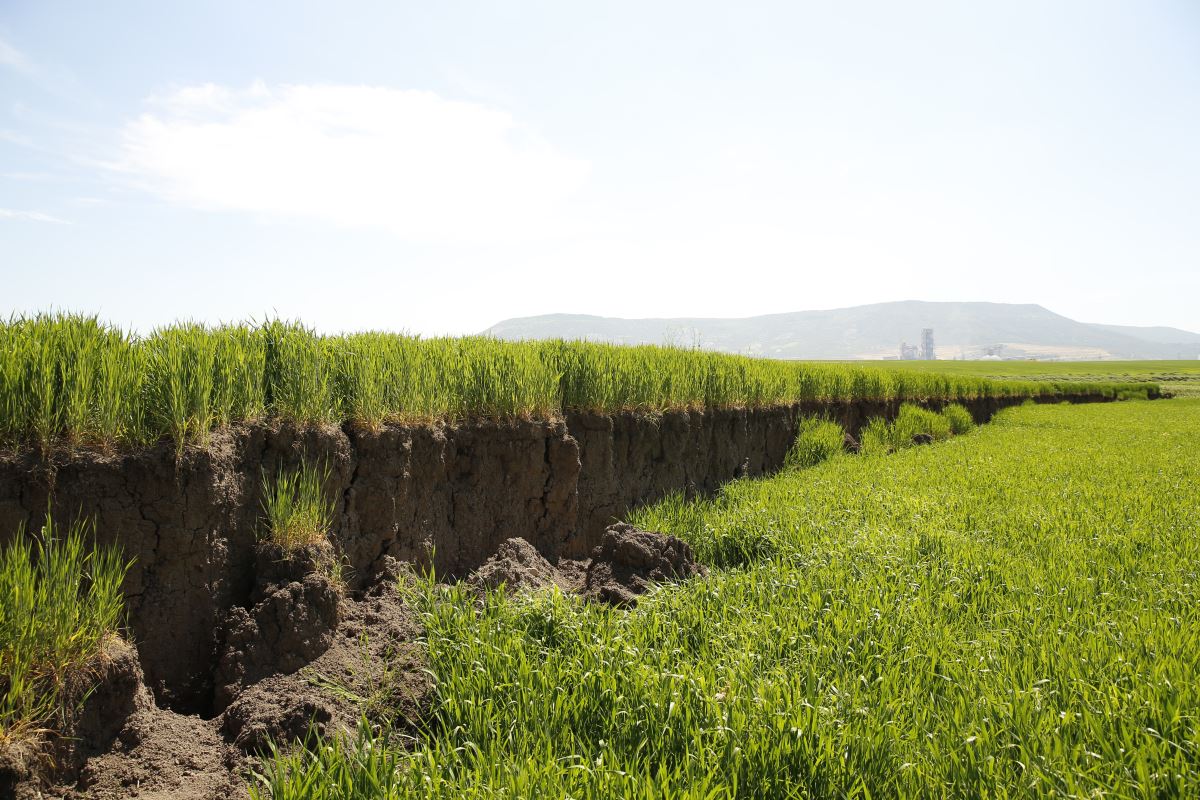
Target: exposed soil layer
x=444, y=496
x=120, y=744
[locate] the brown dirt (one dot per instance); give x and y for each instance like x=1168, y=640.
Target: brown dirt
x=327, y=663
x=516, y=565
x=292, y=621
x=159, y=755
x=628, y=561
x=625, y=564
x=371, y=666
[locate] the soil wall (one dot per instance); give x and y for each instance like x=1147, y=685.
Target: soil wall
x=445, y=496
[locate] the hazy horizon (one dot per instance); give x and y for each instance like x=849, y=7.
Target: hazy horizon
x=440, y=169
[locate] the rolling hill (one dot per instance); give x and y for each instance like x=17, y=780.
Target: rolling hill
x=969, y=330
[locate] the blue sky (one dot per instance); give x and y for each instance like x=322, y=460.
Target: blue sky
x=437, y=167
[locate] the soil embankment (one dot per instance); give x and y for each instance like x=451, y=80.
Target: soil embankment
x=445, y=495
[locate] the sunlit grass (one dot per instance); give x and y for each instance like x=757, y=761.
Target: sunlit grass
x=297, y=508
x=59, y=600
x=816, y=440
x=1006, y=614
x=73, y=379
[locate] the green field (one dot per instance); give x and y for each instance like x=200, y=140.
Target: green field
x=1007, y=613
x=75, y=379
x=1179, y=377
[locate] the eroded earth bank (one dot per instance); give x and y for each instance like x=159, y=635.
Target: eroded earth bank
x=236, y=644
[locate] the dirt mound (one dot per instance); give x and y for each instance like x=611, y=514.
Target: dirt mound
x=372, y=665
x=624, y=565
x=627, y=561
x=107, y=693
x=516, y=565
x=159, y=755
x=98, y=700
x=291, y=623
x=117, y=744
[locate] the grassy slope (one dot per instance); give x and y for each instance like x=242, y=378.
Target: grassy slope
x=1010, y=613
x=74, y=378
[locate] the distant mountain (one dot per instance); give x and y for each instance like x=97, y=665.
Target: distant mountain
x=969, y=330
x=1153, y=334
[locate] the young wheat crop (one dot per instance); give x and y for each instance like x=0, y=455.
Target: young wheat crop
x=1009, y=614
x=59, y=600
x=74, y=379
x=297, y=508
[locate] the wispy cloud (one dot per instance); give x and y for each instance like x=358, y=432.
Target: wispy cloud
x=31, y=216
x=12, y=57
x=411, y=162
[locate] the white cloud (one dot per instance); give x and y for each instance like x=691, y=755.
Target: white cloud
x=411, y=162
x=12, y=57
x=30, y=216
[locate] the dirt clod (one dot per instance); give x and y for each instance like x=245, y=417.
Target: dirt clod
x=291, y=623
x=628, y=560
x=371, y=666
x=290, y=627
x=516, y=565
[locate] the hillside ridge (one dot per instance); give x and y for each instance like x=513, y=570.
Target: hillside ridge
x=961, y=330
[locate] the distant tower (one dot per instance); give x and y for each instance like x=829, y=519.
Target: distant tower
x=927, y=353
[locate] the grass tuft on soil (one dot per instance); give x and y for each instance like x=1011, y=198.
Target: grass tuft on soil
x=59, y=601
x=297, y=509
x=816, y=440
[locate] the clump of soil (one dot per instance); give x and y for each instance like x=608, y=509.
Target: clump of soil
x=97, y=700
x=112, y=689
x=20, y=761
x=628, y=560
x=115, y=743
x=371, y=665
x=624, y=565
x=159, y=755
x=516, y=565
x=291, y=621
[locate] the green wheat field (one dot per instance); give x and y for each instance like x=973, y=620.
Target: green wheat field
x=77, y=379
x=1007, y=613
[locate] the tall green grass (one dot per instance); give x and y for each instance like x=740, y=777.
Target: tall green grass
x=1010, y=614
x=74, y=379
x=816, y=440
x=298, y=511
x=59, y=600
x=959, y=419
x=880, y=436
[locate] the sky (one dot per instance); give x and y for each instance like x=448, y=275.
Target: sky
x=439, y=167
